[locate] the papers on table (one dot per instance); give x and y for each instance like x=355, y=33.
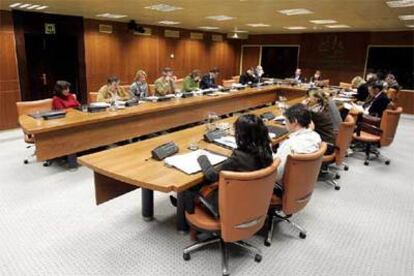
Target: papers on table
x=100, y=104
x=187, y=162
x=280, y=119
x=342, y=99
x=226, y=141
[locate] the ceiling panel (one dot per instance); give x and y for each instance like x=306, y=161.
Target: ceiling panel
x=360, y=15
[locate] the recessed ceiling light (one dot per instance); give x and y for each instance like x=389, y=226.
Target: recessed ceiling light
x=410, y=26
x=208, y=28
x=24, y=6
x=338, y=26
x=257, y=25
x=42, y=8
x=323, y=21
x=400, y=3
x=111, y=15
x=163, y=8
x=168, y=22
x=406, y=17
x=15, y=5
x=241, y=31
x=33, y=7
x=295, y=28
x=220, y=17
x=295, y=11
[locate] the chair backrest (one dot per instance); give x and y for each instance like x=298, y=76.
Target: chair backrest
x=228, y=83
x=389, y=124
x=33, y=106
x=125, y=87
x=92, y=97
x=236, y=78
x=179, y=84
x=344, y=139
x=151, y=89
x=299, y=178
x=244, y=199
x=345, y=85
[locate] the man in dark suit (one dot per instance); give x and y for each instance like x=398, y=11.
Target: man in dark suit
x=298, y=76
x=378, y=101
x=248, y=77
x=209, y=80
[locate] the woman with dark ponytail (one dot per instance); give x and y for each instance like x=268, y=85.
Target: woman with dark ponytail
x=253, y=152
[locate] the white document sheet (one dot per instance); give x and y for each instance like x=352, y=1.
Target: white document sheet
x=229, y=141
x=187, y=162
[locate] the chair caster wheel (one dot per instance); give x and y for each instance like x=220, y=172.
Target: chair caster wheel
x=186, y=257
x=26, y=162
x=346, y=168
x=266, y=243
x=302, y=235
x=337, y=176
x=257, y=258
x=387, y=162
x=46, y=164
x=366, y=163
x=337, y=188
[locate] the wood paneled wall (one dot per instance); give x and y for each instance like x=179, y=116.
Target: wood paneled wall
x=9, y=77
x=122, y=54
x=340, y=56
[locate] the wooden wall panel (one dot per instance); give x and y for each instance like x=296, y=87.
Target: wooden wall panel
x=340, y=56
x=250, y=57
x=406, y=101
x=9, y=80
x=122, y=54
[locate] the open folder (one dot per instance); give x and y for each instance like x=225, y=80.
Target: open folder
x=187, y=162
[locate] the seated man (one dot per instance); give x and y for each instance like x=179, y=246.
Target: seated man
x=192, y=81
x=248, y=77
x=165, y=84
x=111, y=91
x=378, y=100
x=301, y=139
x=298, y=76
x=210, y=80
x=258, y=72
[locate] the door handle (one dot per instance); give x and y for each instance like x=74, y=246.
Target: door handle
x=44, y=79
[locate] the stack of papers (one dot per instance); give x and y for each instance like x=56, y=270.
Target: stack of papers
x=188, y=163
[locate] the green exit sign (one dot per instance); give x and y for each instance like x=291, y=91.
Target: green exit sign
x=50, y=28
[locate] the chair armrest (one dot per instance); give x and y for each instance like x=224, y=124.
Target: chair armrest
x=370, y=129
x=208, y=206
x=372, y=120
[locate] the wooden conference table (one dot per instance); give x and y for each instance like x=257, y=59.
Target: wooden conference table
x=123, y=169
x=80, y=131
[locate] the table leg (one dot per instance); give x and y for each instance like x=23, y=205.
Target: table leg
x=72, y=161
x=182, y=225
x=147, y=204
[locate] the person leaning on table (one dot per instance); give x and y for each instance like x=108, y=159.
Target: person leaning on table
x=192, y=81
x=165, y=84
x=253, y=152
x=63, y=98
x=112, y=91
x=139, y=88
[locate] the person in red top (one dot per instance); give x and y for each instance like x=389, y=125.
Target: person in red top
x=63, y=98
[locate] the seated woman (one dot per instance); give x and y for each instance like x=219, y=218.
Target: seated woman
x=111, y=91
x=318, y=104
x=362, y=88
x=253, y=153
x=63, y=98
x=139, y=88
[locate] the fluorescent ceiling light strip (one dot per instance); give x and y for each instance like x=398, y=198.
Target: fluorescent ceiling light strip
x=208, y=28
x=295, y=28
x=406, y=17
x=167, y=22
x=400, y=3
x=33, y=7
x=220, y=17
x=290, y=12
x=24, y=6
x=257, y=25
x=15, y=5
x=323, y=21
x=163, y=8
x=339, y=26
x=42, y=8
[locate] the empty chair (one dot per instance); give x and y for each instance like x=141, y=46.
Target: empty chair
x=228, y=83
x=151, y=89
x=236, y=79
x=373, y=137
x=27, y=107
x=244, y=199
x=342, y=143
x=179, y=84
x=92, y=96
x=299, y=178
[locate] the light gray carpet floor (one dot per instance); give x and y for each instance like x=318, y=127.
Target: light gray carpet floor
x=50, y=225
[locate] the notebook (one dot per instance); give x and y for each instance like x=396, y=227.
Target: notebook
x=187, y=162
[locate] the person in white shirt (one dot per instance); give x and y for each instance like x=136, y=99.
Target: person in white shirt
x=302, y=139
